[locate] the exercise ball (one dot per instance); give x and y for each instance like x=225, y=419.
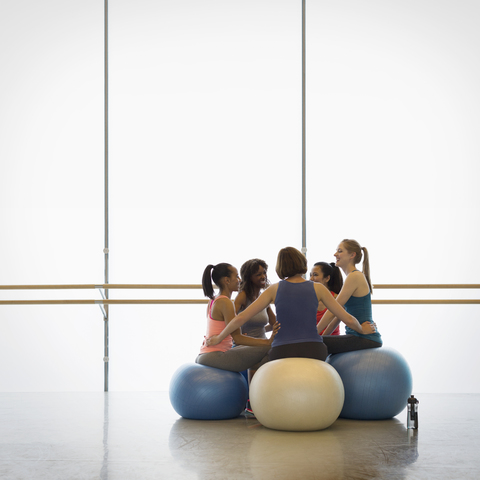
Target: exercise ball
x=296, y=394
x=205, y=393
x=377, y=383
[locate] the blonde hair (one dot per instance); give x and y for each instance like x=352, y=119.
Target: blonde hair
x=352, y=246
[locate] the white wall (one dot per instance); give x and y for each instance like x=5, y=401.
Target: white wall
x=205, y=166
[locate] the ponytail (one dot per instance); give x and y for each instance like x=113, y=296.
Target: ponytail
x=207, y=282
x=366, y=268
x=215, y=273
x=335, y=283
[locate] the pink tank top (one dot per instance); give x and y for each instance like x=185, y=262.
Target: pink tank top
x=214, y=327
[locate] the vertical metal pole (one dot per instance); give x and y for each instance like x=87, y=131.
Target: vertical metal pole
x=304, y=186
x=105, y=250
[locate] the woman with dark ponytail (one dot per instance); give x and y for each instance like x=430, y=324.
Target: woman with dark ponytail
x=355, y=297
x=329, y=275
x=249, y=351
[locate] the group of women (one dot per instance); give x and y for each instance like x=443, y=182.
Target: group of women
x=307, y=312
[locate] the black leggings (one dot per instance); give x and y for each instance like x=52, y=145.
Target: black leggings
x=316, y=350
x=347, y=343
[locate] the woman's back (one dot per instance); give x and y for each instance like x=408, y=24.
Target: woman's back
x=296, y=308
x=361, y=309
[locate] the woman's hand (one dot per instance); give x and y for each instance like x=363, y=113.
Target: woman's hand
x=275, y=329
x=212, y=341
x=369, y=327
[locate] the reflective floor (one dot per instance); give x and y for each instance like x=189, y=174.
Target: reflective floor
x=139, y=436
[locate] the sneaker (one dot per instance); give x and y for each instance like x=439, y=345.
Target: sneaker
x=249, y=413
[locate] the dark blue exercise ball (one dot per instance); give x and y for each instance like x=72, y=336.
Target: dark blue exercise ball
x=205, y=393
x=377, y=383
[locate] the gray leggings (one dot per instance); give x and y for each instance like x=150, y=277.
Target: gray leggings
x=348, y=343
x=236, y=359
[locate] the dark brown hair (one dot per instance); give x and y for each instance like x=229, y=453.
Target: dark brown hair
x=335, y=283
x=249, y=268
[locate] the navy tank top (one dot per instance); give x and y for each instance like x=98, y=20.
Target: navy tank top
x=296, y=308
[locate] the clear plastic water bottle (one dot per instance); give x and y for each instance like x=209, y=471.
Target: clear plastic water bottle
x=412, y=412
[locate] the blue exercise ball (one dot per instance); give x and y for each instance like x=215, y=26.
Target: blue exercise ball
x=377, y=383
x=205, y=393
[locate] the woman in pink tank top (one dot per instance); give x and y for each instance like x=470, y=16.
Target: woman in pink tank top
x=249, y=351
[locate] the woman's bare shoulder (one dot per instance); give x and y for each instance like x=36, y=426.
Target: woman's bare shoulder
x=357, y=283
x=241, y=298
x=355, y=277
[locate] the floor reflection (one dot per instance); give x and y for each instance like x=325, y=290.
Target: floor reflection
x=348, y=449
x=121, y=436
x=104, y=470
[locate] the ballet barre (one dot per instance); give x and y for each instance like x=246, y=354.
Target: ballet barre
x=105, y=301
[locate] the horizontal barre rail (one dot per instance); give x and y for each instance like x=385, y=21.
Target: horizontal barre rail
x=426, y=302
x=105, y=286
x=400, y=286
x=101, y=302
x=198, y=302
x=111, y=286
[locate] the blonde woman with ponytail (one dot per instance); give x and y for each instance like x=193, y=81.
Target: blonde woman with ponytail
x=355, y=297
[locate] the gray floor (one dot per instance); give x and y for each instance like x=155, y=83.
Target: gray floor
x=139, y=436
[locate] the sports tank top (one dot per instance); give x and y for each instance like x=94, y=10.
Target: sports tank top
x=296, y=308
x=255, y=327
x=361, y=309
x=214, y=327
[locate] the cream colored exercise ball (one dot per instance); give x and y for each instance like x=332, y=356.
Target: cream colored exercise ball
x=296, y=394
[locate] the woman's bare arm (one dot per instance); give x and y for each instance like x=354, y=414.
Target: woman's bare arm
x=263, y=301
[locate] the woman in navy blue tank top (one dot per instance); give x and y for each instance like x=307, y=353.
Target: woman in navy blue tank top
x=355, y=297
x=296, y=301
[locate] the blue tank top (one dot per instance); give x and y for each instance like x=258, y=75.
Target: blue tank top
x=296, y=308
x=361, y=309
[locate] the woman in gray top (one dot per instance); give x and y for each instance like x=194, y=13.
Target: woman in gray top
x=253, y=275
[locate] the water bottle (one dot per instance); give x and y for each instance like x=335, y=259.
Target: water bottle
x=412, y=412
